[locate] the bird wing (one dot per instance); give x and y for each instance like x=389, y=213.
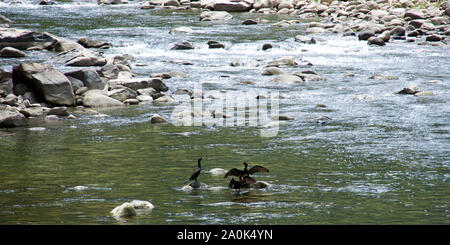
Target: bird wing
x=234, y=172
x=258, y=168
x=248, y=180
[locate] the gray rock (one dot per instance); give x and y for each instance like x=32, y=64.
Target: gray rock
x=272, y=71
x=286, y=61
x=64, y=44
x=414, y=14
x=215, y=16
x=304, y=39
x=288, y=79
x=59, y=111
x=383, y=77
x=249, y=22
x=376, y=41
x=433, y=38
x=409, y=90
x=164, y=99
x=89, y=77
x=215, y=44
x=181, y=29
x=140, y=83
x=93, y=43
x=10, y=52
x=182, y=46
x=125, y=210
x=365, y=35
x=46, y=82
x=80, y=57
x=232, y=6
x=32, y=112
x=9, y=119
x=267, y=46
x=24, y=39
x=122, y=94
x=157, y=119
x=398, y=31
x=98, y=98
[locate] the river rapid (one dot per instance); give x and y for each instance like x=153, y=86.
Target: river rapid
x=383, y=158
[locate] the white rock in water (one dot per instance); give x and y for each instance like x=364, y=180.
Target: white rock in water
x=138, y=204
x=123, y=211
x=217, y=171
x=80, y=188
x=261, y=184
x=187, y=188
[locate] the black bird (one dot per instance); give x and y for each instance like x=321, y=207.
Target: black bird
x=196, y=173
x=244, y=175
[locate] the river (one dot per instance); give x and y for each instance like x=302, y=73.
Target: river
x=384, y=158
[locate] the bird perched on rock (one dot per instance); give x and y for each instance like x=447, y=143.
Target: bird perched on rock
x=244, y=175
x=196, y=173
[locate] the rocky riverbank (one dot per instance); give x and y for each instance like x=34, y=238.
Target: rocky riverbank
x=40, y=90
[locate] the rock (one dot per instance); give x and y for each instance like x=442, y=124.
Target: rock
x=64, y=44
x=131, y=101
x=164, y=99
x=286, y=61
x=46, y=82
x=215, y=44
x=93, y=43
x=267, y=46
x=414, y=14
x=217, y=171
x=146, y=91
x=385, y=36
x=140, y=83
x=285, y=4
x=32, y=112
x=11, y=100
x=25, y=39
x=198, y=185
x=181, y=30
x=89, y=77
x=433, y=38
x=233, y=6
x=424, y=93
x=157, y=119
x=122, y=94
x=308, y=77
x=144, y=98
x=125, y=210
x=398, y=31
x=303, y=39
x=138, y=204
x=59, y=111
x=416, y=23
x=262, y=4
x=215, y=16
x=182, y=46
x=108, y=2
x=287, y=79
x=178, y=74
x=9, y=119
x=80, y=57
x=10, y=52
x=376, y=41
x=98, y=98
x=249, y=22
x=365, y=35
x=272, y=71
x=383, y=77
x=315, y=30
x=409, y=90
x=261, y=184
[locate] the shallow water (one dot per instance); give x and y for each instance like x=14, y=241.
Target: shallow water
x=381, y=160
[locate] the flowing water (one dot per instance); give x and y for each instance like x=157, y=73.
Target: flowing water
x=384, y=158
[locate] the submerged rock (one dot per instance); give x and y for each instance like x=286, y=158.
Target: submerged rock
x=157, y=119
x=125, y=210
x=138, y=204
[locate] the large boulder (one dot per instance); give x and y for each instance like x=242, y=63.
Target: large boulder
x=233, y=5
x=25, y=39
x=46, y=82
x=9, y=119
x=89, y=77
